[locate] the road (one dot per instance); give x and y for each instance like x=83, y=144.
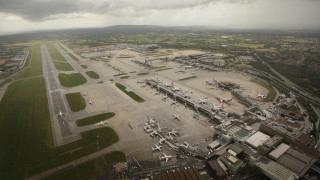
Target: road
x=291, y=86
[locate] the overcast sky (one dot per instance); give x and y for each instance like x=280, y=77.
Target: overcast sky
x=27, y=15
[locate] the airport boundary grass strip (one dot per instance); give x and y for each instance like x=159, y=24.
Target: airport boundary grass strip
x=84, y=66
x=92, y=74
x=120, y=74
x=158, y=70
x=24, y=117
x=94, y=119
x=131, y=94
x=271, y=92
x=35, y=61
x=187, y=78
x=54, y=53
x=75, y=101
x=144, y=73
x=62, y=66
x=93, y=169
x=70, y=54
x=71, y=80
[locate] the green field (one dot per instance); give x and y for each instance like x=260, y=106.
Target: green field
x=120, y=74
x=25, y=127
x=92, y=74
x=124, y=77
x=271, y=92
x=35, y=63
x=142, y=74
x=187, y=78
x=5, y=82
x=131, y=94
x=71, y=80
x=92, y=169
x=75, y=101
x=94, y=119
x=84, y=66
x=62, y=66
x=158, y=70
x=54, y=53
x=70, y=54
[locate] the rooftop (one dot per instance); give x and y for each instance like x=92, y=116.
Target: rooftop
x=257, y=139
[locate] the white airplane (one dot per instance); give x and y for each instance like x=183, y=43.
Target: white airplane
x=164, y=98
x=261, y=96
x=156, y=148
x=84, y=93
x=175, y=89
x=169, y=84
x=174, y=132
x=60, y=114
x=173, y=102
x=177, y=117
x=211, y=83
x=157, y=93
x=153, y=133
x=140, y=81
x=224, y=100
x=188, y=67
x=203, y=101
x=216, y=108
x=164, y=156
x=162, y=140
x=90, y=102
x=101, y=123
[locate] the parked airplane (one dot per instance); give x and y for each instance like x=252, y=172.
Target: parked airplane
x=156, y=148
x=84, y=93
x=164, y=156
x=173, y=102
x=169, y=84
x=175, y=89
x=196, y=115
x=261, y=96
x=162, y=140
x=90, y=102
x=164, y=98
x=140, y=81
x=174, y=132
x=216, y=107
x=203, y=101
x=153, y=133
x=224, y=100
x=188, y=67
x=177, y=117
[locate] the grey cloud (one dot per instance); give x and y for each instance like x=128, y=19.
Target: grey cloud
x=38, y=10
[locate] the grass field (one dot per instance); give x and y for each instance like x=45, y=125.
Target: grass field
x=131, y=94
x=75, y=101
x=54, y=53
x=84, y=66
x=71, y=80
x=25, y=127
x=92, y=74
x=35, y=62
x=120, y=74
x=94, y=119
x=5, y=82
x=158, y=70
x=92, y=169
x=142, y=74
x=62, y=66
x=187, y=78
x=271, y=92
x=124, y=77
x=70, y=54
